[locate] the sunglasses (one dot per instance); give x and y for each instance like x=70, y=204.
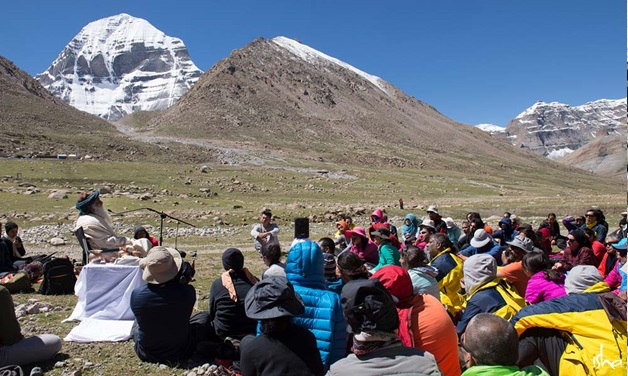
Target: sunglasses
x=569, y=240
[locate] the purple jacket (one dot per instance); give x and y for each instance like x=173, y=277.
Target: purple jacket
x=540, y=289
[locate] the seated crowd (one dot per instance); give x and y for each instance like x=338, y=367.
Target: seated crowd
x=433, y=298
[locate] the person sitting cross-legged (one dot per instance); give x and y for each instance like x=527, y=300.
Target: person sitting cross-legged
x=162, y=331
x=271, y=256
x=485, y=292
x=424, y=322
x=14, y=348
x=583, y=333
x=370, y=311
x=282, y=348
x=323, y=313
x=490, y=347
x=226, y=299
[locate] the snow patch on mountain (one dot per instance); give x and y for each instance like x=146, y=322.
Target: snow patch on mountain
x=559, y=154
x=491, y=128
x=119, y=65
x=313, y=56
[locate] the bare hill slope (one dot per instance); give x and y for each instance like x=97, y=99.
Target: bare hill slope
x=35, y=123
x=272, y=97
x=604, y=156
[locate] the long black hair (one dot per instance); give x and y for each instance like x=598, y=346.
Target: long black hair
x=536, y=262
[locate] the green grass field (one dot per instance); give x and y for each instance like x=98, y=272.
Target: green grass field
x=235, y=195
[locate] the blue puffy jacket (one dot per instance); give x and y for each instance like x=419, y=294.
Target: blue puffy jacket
x=323, y=312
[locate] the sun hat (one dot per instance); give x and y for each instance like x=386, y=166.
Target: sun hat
x=481, y=238
x=358, y=231
x=522, y=242
x=449, y=222
x=160, y=265
x=428, y=223
x=620, y=244
x=382, y=233
x=433, y=209
x=273, y=297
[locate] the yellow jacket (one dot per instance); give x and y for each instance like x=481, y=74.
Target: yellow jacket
x=594, y=325
x=449, y=275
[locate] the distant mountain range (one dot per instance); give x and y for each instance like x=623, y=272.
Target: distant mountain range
x=118, y=65
x=270, y=100
x=555, y=130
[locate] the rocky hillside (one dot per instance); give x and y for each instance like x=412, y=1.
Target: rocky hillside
x=282, y=98
x=119, y=65
x=33, y=123
x=605, y=155
x=555, y=129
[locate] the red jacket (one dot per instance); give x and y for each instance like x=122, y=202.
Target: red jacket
x=424, y=323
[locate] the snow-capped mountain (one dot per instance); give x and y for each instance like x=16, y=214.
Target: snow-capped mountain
x=556, y=129
x=119, y=65
x=491, y=128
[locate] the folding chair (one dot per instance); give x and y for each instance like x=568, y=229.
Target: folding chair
x=80, y=236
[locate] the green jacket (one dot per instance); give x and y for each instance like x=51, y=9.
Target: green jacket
x=388, y=255
x=504, y=371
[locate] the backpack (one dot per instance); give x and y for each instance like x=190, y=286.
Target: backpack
x=59, y=277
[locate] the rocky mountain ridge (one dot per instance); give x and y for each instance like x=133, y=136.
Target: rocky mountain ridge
x=118, y=65
x=556, y=129
x=282, y=98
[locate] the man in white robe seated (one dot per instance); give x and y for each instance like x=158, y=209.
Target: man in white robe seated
x=97, y=225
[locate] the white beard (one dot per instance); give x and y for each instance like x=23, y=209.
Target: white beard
x=103, y=215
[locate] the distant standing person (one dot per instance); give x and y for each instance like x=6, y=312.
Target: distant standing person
x=265, y=233
x=401, y=203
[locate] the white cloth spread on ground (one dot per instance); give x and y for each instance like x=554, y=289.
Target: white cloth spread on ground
x=104, y=295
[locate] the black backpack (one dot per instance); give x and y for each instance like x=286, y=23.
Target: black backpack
x=59, y=278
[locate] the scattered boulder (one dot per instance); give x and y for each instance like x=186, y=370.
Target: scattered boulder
x=57, y=241
x=58, y=194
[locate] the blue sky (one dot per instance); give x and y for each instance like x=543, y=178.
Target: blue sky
x=474, y=61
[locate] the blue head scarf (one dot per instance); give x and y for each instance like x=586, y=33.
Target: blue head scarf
x=413, y=227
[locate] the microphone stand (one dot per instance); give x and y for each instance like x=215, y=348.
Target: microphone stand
x=162, y=216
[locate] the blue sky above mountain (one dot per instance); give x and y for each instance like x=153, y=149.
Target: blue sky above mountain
x=476, y=62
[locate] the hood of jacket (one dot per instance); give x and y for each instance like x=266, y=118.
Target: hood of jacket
x=396, y=280
x=478, y=270
x=305, y=265
x=379, y=214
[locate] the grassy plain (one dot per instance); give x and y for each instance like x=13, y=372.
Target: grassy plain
x=231, y=197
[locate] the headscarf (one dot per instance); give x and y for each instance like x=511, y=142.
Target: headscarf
x=412, y=228
x=82, y=206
